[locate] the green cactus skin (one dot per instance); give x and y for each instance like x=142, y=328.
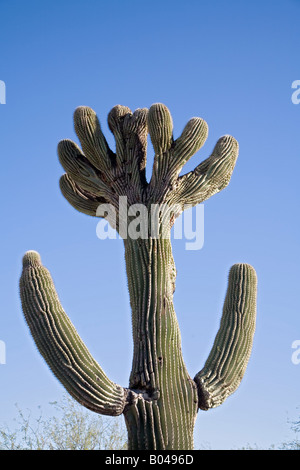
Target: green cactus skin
x=160, y=404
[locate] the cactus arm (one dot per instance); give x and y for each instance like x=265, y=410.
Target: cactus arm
x=190, y=141
x=130, y=133
x=80, y=199
x=212, y=175
x=160, y=126
x=60, y=345
x=115, y=121
x=84, y=173
x=228, y=359
x=93, y=142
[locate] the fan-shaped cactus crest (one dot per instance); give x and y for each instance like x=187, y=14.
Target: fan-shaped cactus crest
x=161, y=401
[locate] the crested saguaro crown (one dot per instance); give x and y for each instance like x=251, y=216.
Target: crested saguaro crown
x=161, y=401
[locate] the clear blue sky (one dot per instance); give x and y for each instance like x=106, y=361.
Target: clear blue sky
x=231, y=63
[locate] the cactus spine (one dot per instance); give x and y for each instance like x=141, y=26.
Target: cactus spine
x=161, y=401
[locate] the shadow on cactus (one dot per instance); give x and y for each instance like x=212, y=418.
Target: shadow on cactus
x=161, y=403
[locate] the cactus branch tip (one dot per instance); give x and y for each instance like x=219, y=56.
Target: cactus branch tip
x=31, y=258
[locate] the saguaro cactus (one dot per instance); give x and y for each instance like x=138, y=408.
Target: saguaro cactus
x=161, y=401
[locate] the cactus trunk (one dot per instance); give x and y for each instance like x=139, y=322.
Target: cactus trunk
x=164, y=402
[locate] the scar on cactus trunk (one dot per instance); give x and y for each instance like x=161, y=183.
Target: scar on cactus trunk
x=160, y=404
